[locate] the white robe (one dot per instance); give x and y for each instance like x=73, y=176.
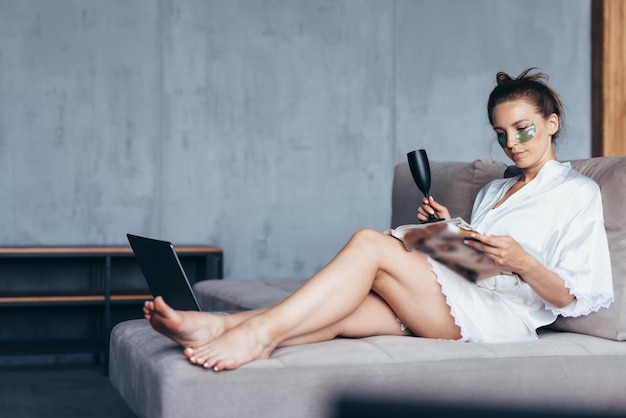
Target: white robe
x=558, y=218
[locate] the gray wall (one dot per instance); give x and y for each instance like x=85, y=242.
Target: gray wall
x=269, y=128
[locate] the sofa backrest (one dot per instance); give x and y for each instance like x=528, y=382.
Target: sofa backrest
x=610, y=174
x=455, y=184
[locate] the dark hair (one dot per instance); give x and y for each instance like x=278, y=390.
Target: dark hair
x=531, y=87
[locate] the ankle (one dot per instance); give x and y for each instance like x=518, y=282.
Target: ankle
x=263, y=330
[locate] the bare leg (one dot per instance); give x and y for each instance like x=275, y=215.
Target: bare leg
x=370, y=261
x=373, y=317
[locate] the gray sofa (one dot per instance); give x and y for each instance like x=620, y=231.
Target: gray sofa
x=578, y=364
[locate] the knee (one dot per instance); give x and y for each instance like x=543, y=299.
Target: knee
x=366, y=234
x=367, y=237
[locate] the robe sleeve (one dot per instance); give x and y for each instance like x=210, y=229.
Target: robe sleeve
x=581, y=258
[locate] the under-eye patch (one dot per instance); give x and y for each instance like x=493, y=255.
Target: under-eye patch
x=522, y=135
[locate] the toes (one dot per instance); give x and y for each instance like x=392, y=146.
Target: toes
x=192, y=356
x=188, y=352
x=197, y=361
x=148, y=308
x=225, y=365
x=160, y=305
x=208, y=364
x=201, y=352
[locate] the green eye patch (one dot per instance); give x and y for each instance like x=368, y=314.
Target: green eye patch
x=522, y=135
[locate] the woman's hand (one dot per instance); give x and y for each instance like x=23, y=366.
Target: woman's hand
x=505, y=252
x=510, y=257
x=431, y=206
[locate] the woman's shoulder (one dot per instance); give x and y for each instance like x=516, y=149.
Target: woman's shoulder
x=577, y=179
x=569, y=178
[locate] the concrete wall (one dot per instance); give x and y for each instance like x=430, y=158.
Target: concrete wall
x=269, y=128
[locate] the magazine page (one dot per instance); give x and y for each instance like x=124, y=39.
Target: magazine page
x=444, y=242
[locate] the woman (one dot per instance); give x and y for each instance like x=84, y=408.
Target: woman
x=545, y=226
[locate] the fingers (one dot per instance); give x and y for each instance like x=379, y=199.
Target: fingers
x=501, y=242
x=431, y=207
x=483, y=242
x=427, y=206
x=434, y=204
x=423, y=212
x=504, y=251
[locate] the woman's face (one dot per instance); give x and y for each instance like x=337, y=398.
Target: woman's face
x=526, y=135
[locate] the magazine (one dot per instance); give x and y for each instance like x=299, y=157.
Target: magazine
x=444, y=241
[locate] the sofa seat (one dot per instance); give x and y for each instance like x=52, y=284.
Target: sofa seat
x=561, y=370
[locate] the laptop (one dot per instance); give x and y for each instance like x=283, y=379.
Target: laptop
x=163, y=272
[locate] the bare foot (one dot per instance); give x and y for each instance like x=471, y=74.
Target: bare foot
x=238, y=346
x=187, y=328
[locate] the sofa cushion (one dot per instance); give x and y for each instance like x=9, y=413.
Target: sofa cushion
x=454, y=184
x=610, y=174
x=236, y=295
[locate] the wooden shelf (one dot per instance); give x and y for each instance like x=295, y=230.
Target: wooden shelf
x=50, y=299
x=76, y=251
x=131, y=297
x=51, y=296
x=65, y=299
